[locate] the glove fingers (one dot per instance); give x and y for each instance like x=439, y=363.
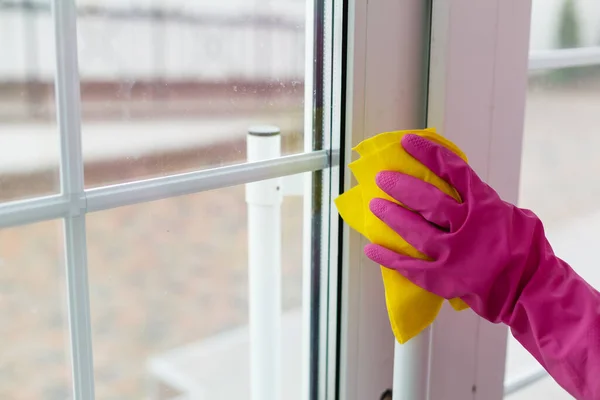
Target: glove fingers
x=425, y=274
x=442, y=162
x=433, y=204
x=417, y=231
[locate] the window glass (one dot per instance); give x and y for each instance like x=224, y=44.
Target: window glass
x=169, y=288
x=34, y=333
x=174, y=86
x=29, y=144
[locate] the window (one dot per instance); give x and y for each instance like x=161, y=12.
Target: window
x=192, y=166
x=172, y=234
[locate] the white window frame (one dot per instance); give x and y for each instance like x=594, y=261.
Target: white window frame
x=387, y=58
x=477, y=96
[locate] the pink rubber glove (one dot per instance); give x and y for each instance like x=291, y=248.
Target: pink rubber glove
x=495, y=257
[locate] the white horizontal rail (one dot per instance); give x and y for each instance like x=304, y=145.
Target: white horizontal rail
x=104, y=198
x=522, y=381
x=564, y=58
x=176, y=185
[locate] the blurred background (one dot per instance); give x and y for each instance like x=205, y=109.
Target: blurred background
x=172, y=86
x=166, y=86
x=560, y=163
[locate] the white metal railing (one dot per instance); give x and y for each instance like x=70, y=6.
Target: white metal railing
x=564, y=58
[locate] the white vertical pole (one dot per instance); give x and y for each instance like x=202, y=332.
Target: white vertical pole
x=72, y=185
x=411, y=368
x=264, y=252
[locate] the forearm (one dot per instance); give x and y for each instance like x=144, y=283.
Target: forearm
x=557, y=319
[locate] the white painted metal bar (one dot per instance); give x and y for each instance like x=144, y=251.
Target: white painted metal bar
x=564, y=58
x=71, y=167
x=107, y=197
x=264, y=268
x=176, y=185
x=520, y=382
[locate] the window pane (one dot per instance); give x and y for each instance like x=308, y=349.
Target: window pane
x=29, y=142
x=174, y=86
x=34, y=355
x=170, y=297
x=559, y=179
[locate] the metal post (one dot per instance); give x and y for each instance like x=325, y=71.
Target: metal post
x=411, y=368
x=264, y=263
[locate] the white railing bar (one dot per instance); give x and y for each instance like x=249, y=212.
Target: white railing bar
x=522, y=381
x=176, y=185
x=564, y=58
x=68, y=101
x=263, y=200
x=24, y=212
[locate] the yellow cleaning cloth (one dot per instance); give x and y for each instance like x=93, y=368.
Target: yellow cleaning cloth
x=410, y=308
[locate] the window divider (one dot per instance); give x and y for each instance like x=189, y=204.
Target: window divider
x=68, y=102
x=107, y=197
